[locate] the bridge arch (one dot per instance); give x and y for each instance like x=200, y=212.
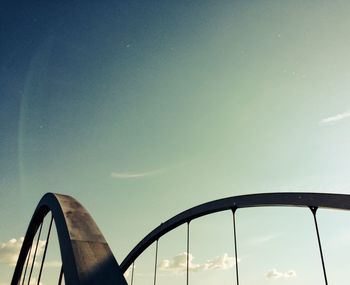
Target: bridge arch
x=88, y=260
x=294, y=199
x=86, y=256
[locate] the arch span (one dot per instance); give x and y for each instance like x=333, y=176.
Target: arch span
x=296, y=199
x=86, y=256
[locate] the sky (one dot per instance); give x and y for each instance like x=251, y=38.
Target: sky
x=142, y=109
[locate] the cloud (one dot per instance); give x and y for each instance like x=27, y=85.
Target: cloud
x=178, y=263
x=335, y=118
x=9, y=252
x=130, y=175
x=141, y=174
x=220, y=262
x=263, y=239
x=274, y=274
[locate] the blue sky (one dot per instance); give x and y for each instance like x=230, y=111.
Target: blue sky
x=141, y=110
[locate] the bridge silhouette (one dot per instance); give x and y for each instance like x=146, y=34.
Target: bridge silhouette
x=88, y=260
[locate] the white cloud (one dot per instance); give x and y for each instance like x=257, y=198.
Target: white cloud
x=129, y=175
x=274, y=274
x=220, y=262
x=9, y=252
x=141, y=174
x=335, y=118
x=263, y=239
x=178, y=263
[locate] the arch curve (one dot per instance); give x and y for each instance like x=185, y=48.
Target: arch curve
x=86, y=256
x=294, y=199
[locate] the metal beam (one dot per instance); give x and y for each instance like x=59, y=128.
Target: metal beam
x=320, y=200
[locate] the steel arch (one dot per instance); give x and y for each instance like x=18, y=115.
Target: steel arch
x=296, y=199
x=86, y=256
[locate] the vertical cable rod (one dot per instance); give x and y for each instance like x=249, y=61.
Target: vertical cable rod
x=132, y=273
x=35, y=251
x=314, y=210
x=155, y=264
x=45, y=250
x=188, y=253
x=61, y=275
x=235, y=243
x=27, y=262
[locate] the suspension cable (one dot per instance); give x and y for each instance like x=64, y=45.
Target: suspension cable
x=61, y=275
x=27, y=262
x=132, y=273
x=314, y=210
x=188, y=253
x=36, y=248
x=45, y=250
x=155, y=264
x=235, y=242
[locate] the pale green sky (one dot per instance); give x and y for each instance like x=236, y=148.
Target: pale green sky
x=142, y=110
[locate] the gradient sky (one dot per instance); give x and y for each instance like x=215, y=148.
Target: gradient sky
x=142, y=110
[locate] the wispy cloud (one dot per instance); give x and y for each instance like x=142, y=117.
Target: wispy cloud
x=178, y=263
x=335, y=118
x=263, y=239
x=130, y=175
x=274, y=274
x=147, y=173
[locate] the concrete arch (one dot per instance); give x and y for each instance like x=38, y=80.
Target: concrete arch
x=86, y=256
x=312, y=200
